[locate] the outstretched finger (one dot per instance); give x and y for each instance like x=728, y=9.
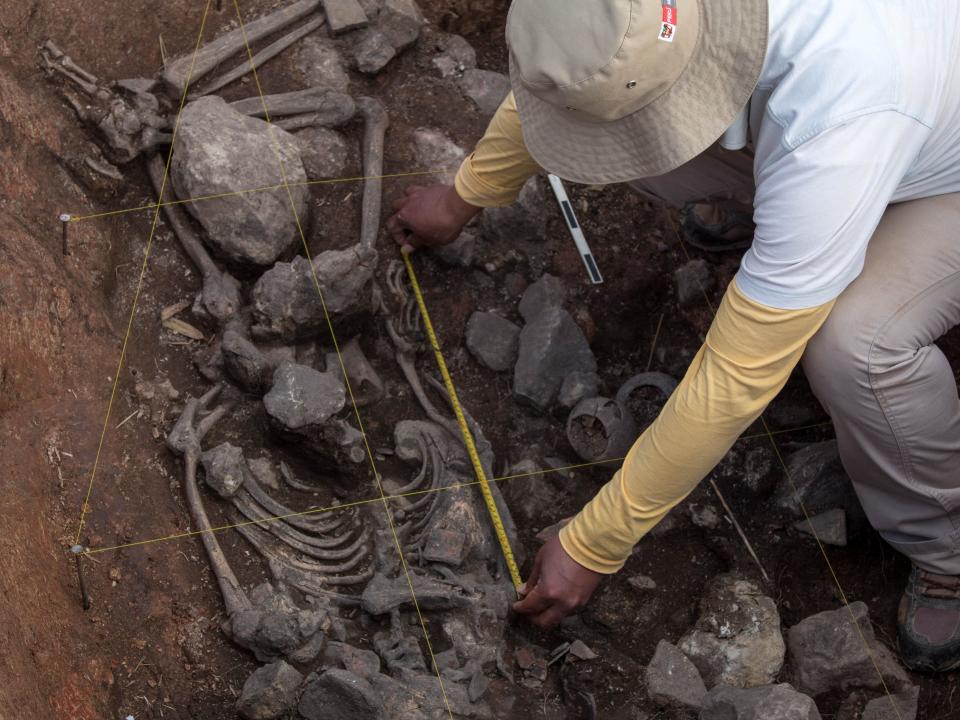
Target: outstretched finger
x=398, y=229
x=413, y=189
x=400, y=202
x=533, y=603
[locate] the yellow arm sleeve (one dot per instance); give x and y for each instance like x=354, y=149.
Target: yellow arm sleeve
x=494, y=173
x=746, y=360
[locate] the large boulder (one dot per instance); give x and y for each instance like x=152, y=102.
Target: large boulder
x=270, y=692
x=736, y=640
x=769, y=702
x=220, y=151
x=837, y=650
x=551, y=347
x=303, y=407
x=339, y=695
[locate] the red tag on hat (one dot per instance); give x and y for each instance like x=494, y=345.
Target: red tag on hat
x=668, y=25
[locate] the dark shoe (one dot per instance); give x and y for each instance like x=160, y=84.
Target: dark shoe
x=928, y=623
x=734, y=231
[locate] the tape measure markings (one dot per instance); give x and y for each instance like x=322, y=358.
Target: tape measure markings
x=468, y=441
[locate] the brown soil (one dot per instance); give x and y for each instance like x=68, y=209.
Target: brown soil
x=151, y=645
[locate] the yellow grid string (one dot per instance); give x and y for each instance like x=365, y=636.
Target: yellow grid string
x=136, y=295
x=803, y=509
x=413, y=493
x=265, y=188
x=346, y=379
x=345, y=506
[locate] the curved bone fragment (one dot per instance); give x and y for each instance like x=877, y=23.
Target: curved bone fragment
x=317, y=547
x=282, y=560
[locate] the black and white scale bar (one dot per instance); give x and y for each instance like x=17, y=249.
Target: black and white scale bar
x=576, y=232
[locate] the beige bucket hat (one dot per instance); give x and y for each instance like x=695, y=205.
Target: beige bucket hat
x=615, y=90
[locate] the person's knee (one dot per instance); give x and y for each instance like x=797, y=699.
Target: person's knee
x=836, y=359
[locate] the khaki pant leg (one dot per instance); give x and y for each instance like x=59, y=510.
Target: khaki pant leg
x=890, y=390
x=715, y=174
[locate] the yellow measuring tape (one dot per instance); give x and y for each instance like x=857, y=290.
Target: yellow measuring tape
x=465, y=430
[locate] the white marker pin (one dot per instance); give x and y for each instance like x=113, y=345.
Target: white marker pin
x=576, y=232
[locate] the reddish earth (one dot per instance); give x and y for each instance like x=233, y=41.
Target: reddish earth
x=151, y=644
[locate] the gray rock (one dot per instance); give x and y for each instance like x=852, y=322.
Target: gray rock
x=736, y=640
x=460, y=253
x=551, y=347
x=285, y=301
x=435, y=151
x=270, y=692
x=339, y=695
x=830, y=527
x=760, y=471
x=220, y=150
x=417, y=698
x=344, y=15
x=225, y=469
x=817, y=479
x=383, y=594
x=829, y=652
x=577, y=386
x=523, y=221
x=882, y=708
x=693, y=279
x=769, y=702
x=672, y=680
x=321, y=64
x=275, y=627
x=457, y=56
x=486, y=88
x=301, y=407
x=400, y=21
x=547, y=292
x=301, y=396
x=372, y=52
x=372, y=7
x=325, y=152
x=401, y=654
x=492, y=340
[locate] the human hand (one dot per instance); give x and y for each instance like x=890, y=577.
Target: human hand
x=558, y=586
x=428, y=216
